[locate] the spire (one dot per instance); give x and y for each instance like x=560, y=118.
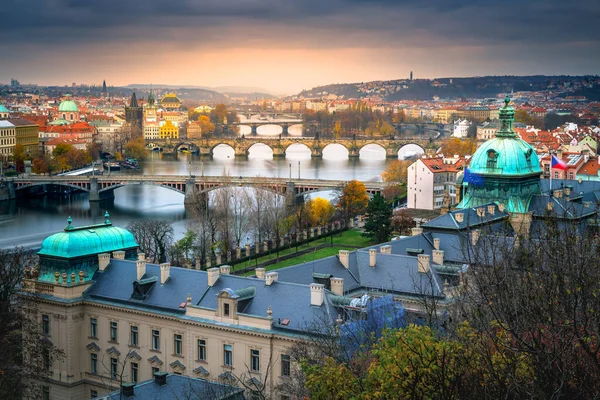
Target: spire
x=104, y=90
x=506, y=116
x=151, y=98
x=133, y=102
x=106, y=220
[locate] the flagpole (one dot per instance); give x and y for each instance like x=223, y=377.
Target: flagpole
x=551, y=173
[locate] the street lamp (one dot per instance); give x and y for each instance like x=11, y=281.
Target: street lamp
x=298, y=169
x=290, y=172
x=190, y=168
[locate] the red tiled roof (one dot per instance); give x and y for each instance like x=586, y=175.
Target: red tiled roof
x=437, y=165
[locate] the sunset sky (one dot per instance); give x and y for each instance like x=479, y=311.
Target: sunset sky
x=285, y=46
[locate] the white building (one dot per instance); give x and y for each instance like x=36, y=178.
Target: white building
x=429, y=179
x=7, y=139
x=461, y=128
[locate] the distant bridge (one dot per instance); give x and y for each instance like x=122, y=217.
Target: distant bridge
x=102, y=187
x=285, y=124
x=241, y=146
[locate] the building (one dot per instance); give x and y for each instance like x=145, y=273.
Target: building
x=168, y=130
x=27, y=134
x=461, y=128
x=194, y=130
x=432, y=182
x=4, y=113
x=50, y=144
x=573, y=161
x=151, y=119
x=444, y=115
x=107, y=131
x=68, y=111
x=134, y=115
x=7, y=140
x=487, y=130
x=170, y=102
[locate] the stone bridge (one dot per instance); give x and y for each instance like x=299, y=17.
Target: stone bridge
x=283, y=123
x=102, y=187
x=241, y=146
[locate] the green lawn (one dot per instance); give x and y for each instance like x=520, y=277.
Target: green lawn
x=340, y=242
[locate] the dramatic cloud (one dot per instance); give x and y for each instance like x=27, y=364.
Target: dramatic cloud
x=287, y=45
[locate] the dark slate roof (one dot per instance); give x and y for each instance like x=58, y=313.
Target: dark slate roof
x=395, y=273
x=576, y=186
x=303, y=273
x=470, y=218
x=561, y=208
x=287, y=300
x=181, y=387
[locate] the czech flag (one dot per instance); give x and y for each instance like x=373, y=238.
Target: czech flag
x=558, y=163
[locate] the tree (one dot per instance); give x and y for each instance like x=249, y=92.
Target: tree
x=155, y=238
x=378, y=225
x=26, y=354
x=353, y=200
x=402, y=222
x=524, y=117
x=320, y=211
x=219, y=114
x=135, y=148
x=94, y=148
x=206, y=127
x=182, y=248
x=456, y=146
x=396, y=171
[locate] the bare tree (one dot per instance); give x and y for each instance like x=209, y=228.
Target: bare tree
x=155, y=237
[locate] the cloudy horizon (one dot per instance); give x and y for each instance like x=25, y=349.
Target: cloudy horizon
x=285, y=46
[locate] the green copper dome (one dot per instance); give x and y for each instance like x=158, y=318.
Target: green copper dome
x=87, y=240
x=506, y=154
x=68, y=106
x=505, y=169
x=3, y=109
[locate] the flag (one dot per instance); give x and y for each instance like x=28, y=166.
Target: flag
x=558, y=163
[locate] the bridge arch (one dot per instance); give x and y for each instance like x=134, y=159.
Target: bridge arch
x=176, y=187
x=332, y=147
x=224, y=143
x=83, y=187
x=260, y=129
x=410, y=150
x=258, y=145
x=297, y=145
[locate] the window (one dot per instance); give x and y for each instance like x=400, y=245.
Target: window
x=155, y=370
x=226, y=309
x=113, y=367
x=555, y=175
x=492, y=158
x=134, y=335
x=46, y=358
x=94, y=363
x=155, y=339
x=571, y=176
x=46, y=324
x=113, y=331
x=285, y=365
x=46, y=393
x=201, y=349
x=178, y=344
x=134, y=372
x=227, y=355
x=93, y=394
x=255, y=360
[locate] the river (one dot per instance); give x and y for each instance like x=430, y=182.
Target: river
x=28, y=221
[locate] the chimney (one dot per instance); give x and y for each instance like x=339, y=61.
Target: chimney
x=436, y=243
x=160, y=378
x=567, y=191
x=103, y=261
x=260, y=273
x=213, y=275
x=459, y=217
x=225, y=269
x=423, y=263
x=438, y=257
x=475, y=233
x=481, y=212
x=317, y=294
x=271, y=277
x=416, y=231
x=344, y=258
x=550, y=205
x=165, y=272
x=491, y=209
x=558, y=193
x=559, y=153
x=140, y=266
x=141, y=256
x=387, y=249
x=501, y=207
x=118, y=255
x=337, y=285
x=127, y=389
x=372, y=257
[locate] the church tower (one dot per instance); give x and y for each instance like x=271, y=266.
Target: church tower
x=104, y=89
x=134, y=115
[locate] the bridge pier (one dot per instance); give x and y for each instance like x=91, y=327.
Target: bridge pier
x=290, y=195
x=96, y=194
x=191, y=192
x=353, y=152
x=285, y=129
x=391, y=153
x=316, y=152
x=278, y=152
x=205, y=151
x=254, y=129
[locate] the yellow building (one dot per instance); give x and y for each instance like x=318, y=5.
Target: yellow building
x=168, y=130
x=26, y=133
x=170, y=102
x=444, y=115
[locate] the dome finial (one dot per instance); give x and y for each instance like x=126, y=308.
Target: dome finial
x=506, y=100
x=106, y=220
x=69, y=222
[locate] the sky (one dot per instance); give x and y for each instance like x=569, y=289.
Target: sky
x=285, y=46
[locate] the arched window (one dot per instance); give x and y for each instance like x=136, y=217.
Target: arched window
x=528, y=154
x=71, y=117
x=492, y=158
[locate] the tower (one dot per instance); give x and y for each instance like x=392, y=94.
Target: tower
x=410, y=76
x=104, y=89
x=134, y=114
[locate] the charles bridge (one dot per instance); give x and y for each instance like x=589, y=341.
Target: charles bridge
x=103, y=187
x=242, y=145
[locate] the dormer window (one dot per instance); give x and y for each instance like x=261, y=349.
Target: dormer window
x=528, y=154
x=492, y=159
x=226, y=309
